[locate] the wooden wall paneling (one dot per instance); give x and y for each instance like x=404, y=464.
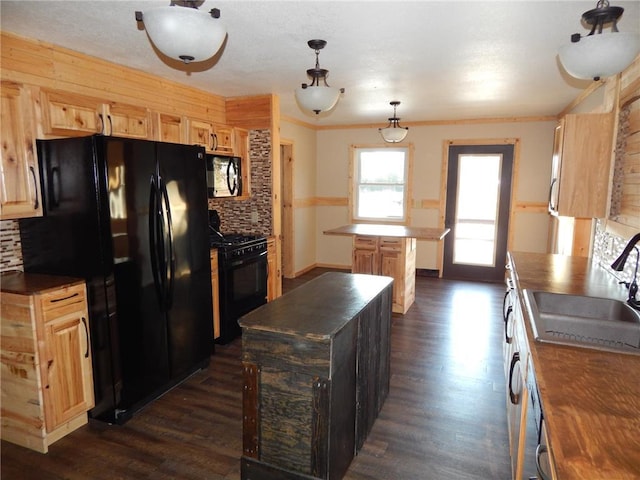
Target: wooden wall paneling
x=251, y=112
x=625, y=196
x=44, y=65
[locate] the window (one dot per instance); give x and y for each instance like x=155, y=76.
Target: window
x=380, y=190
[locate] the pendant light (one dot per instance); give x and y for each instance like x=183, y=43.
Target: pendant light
x=600, y=54
x=184, y=32
x=394, y=133
x=317, y=97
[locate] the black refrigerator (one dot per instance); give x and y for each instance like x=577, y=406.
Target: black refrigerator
x=131, y=218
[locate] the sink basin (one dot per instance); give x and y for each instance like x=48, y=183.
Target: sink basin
x=583, y=321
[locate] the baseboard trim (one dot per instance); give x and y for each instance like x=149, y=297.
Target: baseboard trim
x=427, y=272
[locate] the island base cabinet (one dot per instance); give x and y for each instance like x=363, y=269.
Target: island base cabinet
x=393, y=257
x=310, y=400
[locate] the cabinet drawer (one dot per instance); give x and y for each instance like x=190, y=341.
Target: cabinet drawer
x=68, y=296
x=365, y=243
x=391, y=244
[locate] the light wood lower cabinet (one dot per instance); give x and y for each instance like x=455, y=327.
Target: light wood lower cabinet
x=47, y=382
x=215, y=292
x=272, y=270
x=392, y=257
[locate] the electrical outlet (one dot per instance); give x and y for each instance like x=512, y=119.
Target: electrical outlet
x=254, y=218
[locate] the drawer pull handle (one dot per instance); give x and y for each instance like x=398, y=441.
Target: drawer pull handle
x=86, y=333
x=55, y=300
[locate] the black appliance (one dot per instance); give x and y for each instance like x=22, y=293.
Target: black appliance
x=242, y=272
x=130, y=217
x=223, y=176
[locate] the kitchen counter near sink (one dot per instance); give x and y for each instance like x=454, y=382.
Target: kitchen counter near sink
x=590, y=398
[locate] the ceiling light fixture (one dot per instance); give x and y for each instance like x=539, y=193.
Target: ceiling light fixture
x=318, y=97
x=600, y=54
x=394, y=133
x=183, y=32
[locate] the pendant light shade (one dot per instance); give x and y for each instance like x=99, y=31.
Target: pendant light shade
x=317, y=96
x=600, y=54
x=394, y=133
x=184, y=33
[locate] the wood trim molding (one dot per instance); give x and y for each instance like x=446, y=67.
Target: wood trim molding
x=530, y=207
x=422, y=123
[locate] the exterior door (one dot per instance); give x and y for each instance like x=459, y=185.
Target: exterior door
x=477, y=211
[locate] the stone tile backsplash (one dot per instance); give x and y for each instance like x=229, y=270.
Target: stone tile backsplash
x=607, y=247
x=10, y=246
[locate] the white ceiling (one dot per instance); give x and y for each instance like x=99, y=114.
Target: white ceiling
x=442, y=60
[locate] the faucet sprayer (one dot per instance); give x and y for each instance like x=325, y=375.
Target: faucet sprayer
x=619, y=263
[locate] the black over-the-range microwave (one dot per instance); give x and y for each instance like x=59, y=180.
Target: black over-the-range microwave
x=223, y=176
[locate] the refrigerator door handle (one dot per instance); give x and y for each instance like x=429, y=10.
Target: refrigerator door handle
x=170, y=262
x=153, y=241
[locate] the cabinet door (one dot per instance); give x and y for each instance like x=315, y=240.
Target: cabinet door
x=392, y=265
x=272, y=273
x=68, y=390
x=128, y=121
x=19, y=176
x=241, y=143
x=365, y=261
x=170, y=128
x=201, y=133
x=215, y=293
x=223, y=141
x=584, y=165
x=68, y=114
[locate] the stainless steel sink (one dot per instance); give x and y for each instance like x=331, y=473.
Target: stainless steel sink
x=583, y=321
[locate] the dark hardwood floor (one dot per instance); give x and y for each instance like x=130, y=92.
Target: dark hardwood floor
x=444, y=417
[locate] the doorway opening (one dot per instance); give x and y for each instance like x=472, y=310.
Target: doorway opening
x=477, y=211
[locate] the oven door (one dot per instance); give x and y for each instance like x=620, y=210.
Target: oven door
x=243, y=287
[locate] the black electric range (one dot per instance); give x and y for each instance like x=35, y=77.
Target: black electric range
x=242, y=269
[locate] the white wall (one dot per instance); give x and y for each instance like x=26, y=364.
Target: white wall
x=328, y=178
x=304, y=189
x=532, y=182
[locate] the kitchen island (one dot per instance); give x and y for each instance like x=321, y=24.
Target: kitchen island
x=316, y=365
x=389, y=250
x=590, y=398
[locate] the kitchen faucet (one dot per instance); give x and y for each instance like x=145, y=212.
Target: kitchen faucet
x=618, y=265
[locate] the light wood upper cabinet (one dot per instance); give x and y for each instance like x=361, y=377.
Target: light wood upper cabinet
x=215, y=138
x=223, y=137
x=47, y=380
x=68, y=114
x=127, y=121
x=20, y=194
x=200, y=133
x=170, y=128
x=581, y=161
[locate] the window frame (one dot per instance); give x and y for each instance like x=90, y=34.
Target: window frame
x=354, y=184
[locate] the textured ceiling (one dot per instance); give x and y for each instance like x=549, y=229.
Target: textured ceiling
x=442, y=60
